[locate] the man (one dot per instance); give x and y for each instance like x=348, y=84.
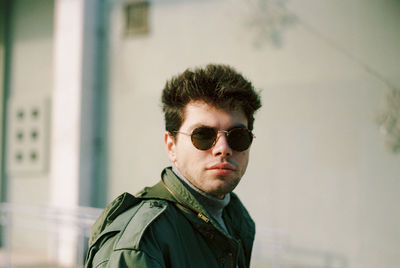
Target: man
x=190, y=218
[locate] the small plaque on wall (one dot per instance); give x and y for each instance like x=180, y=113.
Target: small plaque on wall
x=136, y=17
x=28, y=136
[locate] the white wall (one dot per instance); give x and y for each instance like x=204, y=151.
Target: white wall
x=31, y=82
x=319, y=171
x=48, y=62
x=31, y=79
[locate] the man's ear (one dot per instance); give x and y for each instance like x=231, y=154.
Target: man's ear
x=170, y=147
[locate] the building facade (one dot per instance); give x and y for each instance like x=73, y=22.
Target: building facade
x=82, y=122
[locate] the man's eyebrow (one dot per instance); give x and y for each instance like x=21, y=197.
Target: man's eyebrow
x=237, y=125
x=197, y=125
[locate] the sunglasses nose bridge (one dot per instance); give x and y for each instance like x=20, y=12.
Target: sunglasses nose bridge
x=221, y=131
x=218, y=136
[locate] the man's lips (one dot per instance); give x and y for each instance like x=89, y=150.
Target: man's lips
x=222, y=166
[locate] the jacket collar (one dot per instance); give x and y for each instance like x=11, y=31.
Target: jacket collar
x=237, y=219
x=172, y=189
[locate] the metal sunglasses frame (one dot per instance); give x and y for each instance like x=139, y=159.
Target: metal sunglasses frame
x=227, y=132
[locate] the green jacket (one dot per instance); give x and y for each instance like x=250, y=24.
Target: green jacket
x=165, y=226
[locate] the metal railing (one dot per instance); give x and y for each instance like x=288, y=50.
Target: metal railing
x=274, y=249
x=53, y=222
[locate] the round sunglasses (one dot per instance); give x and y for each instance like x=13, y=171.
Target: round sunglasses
x=204, y=138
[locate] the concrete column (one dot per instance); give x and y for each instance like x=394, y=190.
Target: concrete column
x=66, y=117
x=74, y=140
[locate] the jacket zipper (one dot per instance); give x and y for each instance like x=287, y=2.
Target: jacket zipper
x=183, y=204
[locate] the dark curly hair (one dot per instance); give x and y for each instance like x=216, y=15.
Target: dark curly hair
x=218, y=85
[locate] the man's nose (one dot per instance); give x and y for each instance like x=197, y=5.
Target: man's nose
x=221, y=147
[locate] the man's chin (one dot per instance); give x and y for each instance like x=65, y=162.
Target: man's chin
x=224, y=186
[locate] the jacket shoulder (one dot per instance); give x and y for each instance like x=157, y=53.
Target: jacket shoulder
x=131, y=224
x=118, y=206
x=145, y=215
x=125, y=229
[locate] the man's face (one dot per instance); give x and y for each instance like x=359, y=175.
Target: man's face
x=218, y=170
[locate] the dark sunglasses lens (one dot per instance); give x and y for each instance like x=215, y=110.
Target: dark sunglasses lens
x=240, y=139
x=203, y=138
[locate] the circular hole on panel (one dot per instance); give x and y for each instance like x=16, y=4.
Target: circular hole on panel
x=34, y=134
x=20, y=135
x=20, y=114
x=35, y=113
x=34, y=156
x=19, y=157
